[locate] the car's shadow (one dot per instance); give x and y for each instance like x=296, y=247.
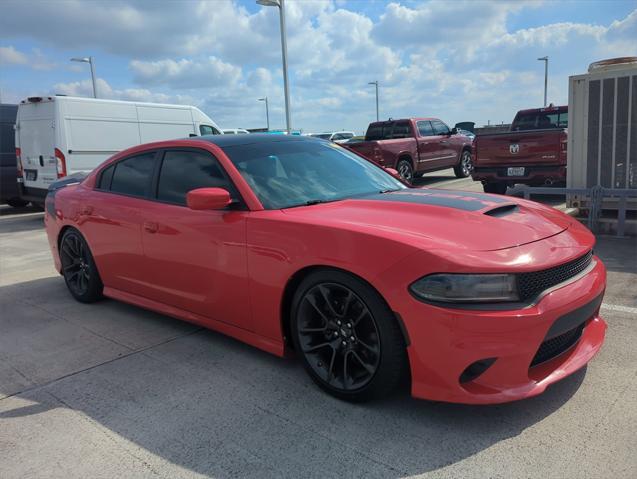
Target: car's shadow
x=221, y=408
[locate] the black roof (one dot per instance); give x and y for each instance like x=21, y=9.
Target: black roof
x=251, y=138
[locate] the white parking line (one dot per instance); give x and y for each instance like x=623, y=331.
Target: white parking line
x=622, y=309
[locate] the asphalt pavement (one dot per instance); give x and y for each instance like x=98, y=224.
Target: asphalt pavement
x=111, y=390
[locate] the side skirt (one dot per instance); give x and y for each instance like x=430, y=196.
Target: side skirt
x=266, y=344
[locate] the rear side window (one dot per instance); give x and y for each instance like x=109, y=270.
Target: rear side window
x=379, y=131
x=132, y=175
x=440, y=128
x=401, y=130
x=425, y=129
x=105, y=178
x=208, y=130
x=183, y=171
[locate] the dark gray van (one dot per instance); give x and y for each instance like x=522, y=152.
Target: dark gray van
x=8, y=164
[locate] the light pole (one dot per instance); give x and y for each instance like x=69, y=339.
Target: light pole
x=88, y=60
x=267, y=113
x=284, y=54
x=375, y=83
x=546, y=74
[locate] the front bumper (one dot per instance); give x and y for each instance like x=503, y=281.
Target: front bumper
x=444, y=342
x=535, y=175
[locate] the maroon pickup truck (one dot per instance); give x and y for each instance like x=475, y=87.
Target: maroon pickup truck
x=533, y=152
x=415, y=146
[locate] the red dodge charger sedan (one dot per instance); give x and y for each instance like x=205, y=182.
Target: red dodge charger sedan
x=294, y=243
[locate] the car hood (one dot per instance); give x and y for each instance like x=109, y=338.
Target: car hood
x=441, y=219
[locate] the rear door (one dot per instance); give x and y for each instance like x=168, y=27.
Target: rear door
x=196, y=260
x=111, y=218
x=427, y=145
x=36, y=134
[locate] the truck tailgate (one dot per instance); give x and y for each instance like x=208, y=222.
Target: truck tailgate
x=535, y=147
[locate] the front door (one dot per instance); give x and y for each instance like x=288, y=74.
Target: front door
x=196, y=260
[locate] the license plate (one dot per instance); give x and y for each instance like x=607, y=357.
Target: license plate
x=31, y=175
x=515, y=171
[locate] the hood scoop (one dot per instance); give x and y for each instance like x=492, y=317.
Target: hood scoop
x=500, y=211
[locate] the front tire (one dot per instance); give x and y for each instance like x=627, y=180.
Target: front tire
x=78, y=268
x=348, y=339
x=405, y=170
x=464, y=166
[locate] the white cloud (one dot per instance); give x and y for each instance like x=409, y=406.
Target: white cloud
x=185, y=73
x=11, y=56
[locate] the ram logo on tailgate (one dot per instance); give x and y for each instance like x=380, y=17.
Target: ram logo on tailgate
x=514, y=148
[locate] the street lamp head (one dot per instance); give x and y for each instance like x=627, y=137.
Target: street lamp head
x=373, y=82
x=544, y=58
x=82, y=59
x=262, y=99
x=269, y=3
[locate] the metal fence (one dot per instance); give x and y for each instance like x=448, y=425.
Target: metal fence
x=595, y=196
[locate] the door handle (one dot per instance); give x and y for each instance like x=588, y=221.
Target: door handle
x=443, y=142
x=151, y=227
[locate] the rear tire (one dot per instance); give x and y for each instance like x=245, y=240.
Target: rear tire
x=348, y=339
x=405, y=170
x=17, y=202
x=497, y=188
x=78, y=268
x=464, y=166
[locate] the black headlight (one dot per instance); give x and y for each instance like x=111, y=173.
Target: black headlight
x=467, y=288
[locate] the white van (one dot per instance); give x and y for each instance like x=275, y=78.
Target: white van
x=59, y=135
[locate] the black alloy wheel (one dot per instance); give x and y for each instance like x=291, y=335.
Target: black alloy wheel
x=351, y=346
x=78, y=268
x=463, y=169
x=405, y=170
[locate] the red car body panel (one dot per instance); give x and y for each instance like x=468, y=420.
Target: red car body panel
x=542, y=152
x=229, y=270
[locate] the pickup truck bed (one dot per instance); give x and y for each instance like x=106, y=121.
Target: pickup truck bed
x=533, y=157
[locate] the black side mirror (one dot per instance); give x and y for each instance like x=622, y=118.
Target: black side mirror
x=192, y=134
x=454, y=131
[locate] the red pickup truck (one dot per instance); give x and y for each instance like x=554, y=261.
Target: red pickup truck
x=533, y=152
x=416, y=145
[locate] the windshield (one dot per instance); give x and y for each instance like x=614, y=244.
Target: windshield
x=295, y=173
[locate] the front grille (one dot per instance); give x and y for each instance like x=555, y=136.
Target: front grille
x=555, y=346
x=532, y=284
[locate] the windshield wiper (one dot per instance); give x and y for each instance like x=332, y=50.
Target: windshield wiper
x=389, y=190
x=317, y=202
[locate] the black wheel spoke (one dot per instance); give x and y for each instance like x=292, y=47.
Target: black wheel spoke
x=331, y=320
x=75, y=263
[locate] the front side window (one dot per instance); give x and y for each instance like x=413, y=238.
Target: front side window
x=183, y=171
x=425, y=128
x=208, y=130
x=440, y=128
x=132, y=175
x=284, y=174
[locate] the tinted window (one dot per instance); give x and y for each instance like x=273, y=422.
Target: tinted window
x=540, y=120
x=7, y=145
x=208, y=130
x=379, y=131
x=440, y=128
x=401, y=130
x=294, y=173
x=182, y=171
x=132, y=176
x=106, y=177
x=425, y=129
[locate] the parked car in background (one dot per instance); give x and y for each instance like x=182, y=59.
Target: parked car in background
x=467, y=133
x=235, y=131
x=56, y=136
x=294, y=244
x=415, y=146
x=533, y=152
x=9, y=192
x=336, y=136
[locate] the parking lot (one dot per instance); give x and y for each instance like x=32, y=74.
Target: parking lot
x=111, y=390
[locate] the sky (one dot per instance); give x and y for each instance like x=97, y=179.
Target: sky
x=455, y=60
